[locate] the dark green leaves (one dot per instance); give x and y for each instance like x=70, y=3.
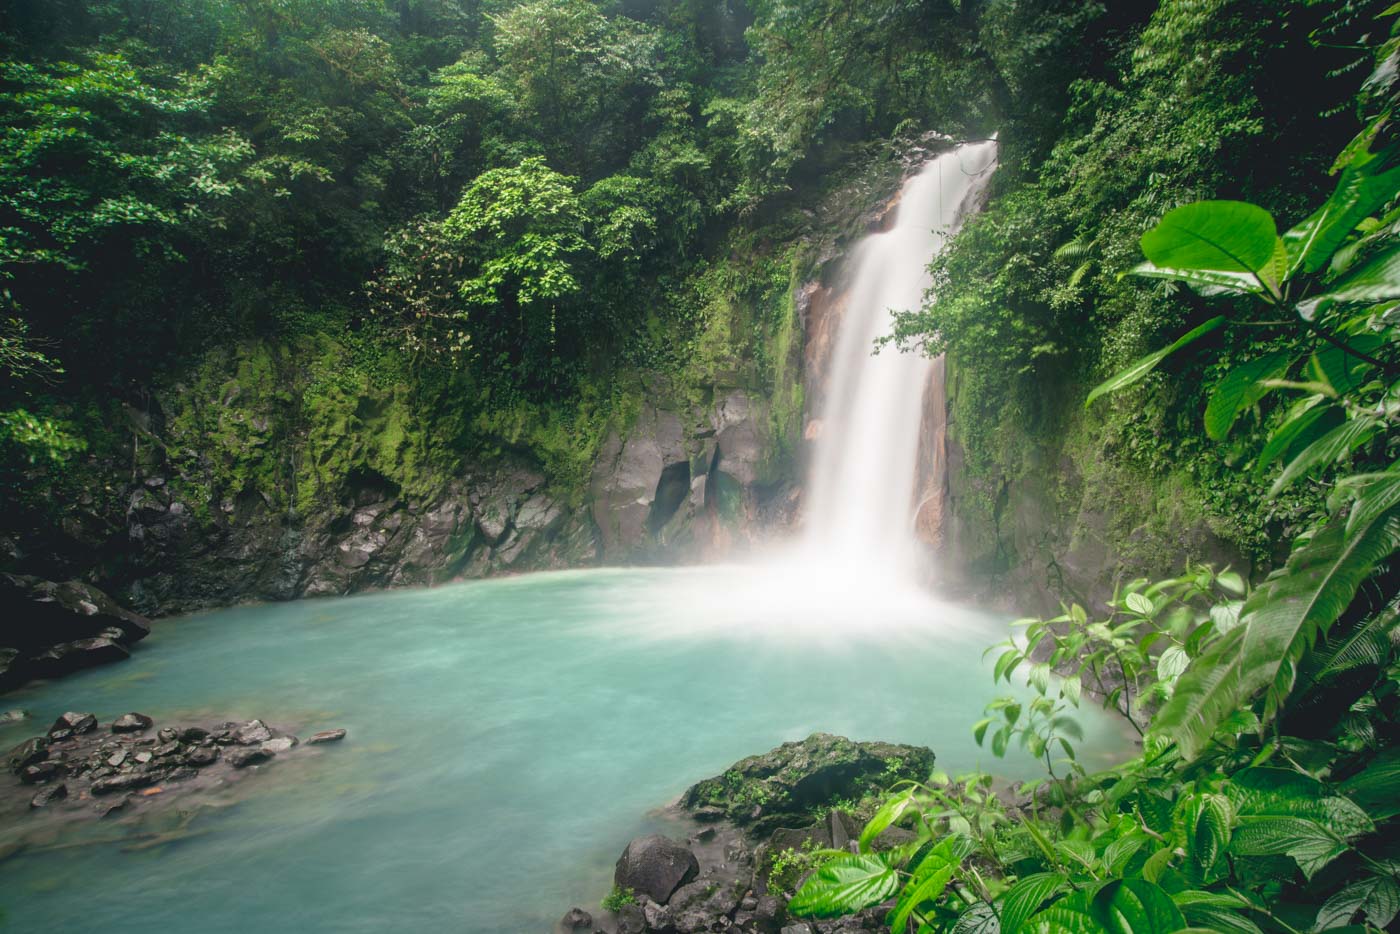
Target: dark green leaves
x=1025, y=897
x=844, y=886
x=1130, y=906
x=1362, y=190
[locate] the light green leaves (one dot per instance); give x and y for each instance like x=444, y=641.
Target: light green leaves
x=888, y=813
x=845, y=885
x=1376, y=897
x=1284, y=813
x=1362, y=190
x=1221, y=236
x=1149, y=363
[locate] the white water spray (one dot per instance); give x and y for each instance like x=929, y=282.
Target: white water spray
x=862, y=486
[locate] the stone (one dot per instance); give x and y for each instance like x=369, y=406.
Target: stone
x=168, y=735
x=27, y=753
x=252, y=733
x=69, y=657
x=193, y=734
x=326, y=736
x=782, y=787
x=658, y=917
x=576, y=919
x=49, y=795
x=143, y=757
x=697, y=906
x=128, y=782
x=242, y=758
x=180, y=775
x=201, y=756
x=278, y=744
x=73, y=724
x=132, y=723
x=116, y=759
x=168, y=748
x=798, y=929
x=631, y=920
x=105, y=810
x=41, y=772
x=13, y=716
x=655, y=866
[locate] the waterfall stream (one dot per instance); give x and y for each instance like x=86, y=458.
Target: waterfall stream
x=864, y=489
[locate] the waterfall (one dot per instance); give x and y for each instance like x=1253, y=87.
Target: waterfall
x=864, y=490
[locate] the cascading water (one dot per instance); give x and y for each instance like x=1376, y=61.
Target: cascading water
x=862, y=487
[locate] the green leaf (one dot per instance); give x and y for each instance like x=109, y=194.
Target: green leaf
x=1240, y=389
x=1171, y=663
x=1376, y=788
x=1287, y=614
x=1210, y=833
x=1361, y=191
x=1208, y=281
x=888, y=813
x=1025, y=897
x=918, y=891
x=1149, y=363
x=1140, y=605
x=1226, y=236
x=1209, y=691
x=845, y=885
x=1376, y=281
x=1377, y=897
x=1130, y=906
x=1379, y=494
x=981, y=918
x=1311, y=845
x=1305, y=420
x=1327, y=450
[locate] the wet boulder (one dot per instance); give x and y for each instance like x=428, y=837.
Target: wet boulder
x=27, y=753
x=698, y=906
x=36, y=614
x=244, y=757
x=576, y=919
x=69, y=657
x=72, y=724
x=655, y=866
x=49, y=795
x=326, y=736
x=252, y=733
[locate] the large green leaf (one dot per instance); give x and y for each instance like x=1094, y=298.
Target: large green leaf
x=1366, y=643
x=1362, y=190
x=1306, y=420
x=1328, y=449
x=981, y=918
x=1207, y=281
x=1286, y=614
x=1124, y=906
x=1025, y=897
x=1378, y=494
x=1208, y=830
x=1209, y=691
x=1229, y=236
x=888, y=813
x=920, y=889
x=1376, y=788
x=844, y=886
x=1377, y=280
x=1376, y=897
x=1147, y=364
x=1241, y=388
x=1311, y=845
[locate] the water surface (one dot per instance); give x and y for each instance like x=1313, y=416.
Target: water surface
x=506, y=739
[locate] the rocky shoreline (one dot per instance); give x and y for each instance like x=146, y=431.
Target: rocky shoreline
x=80, y=768
x=754, y=828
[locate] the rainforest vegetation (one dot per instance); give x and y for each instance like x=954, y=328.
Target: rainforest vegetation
x=521, y=218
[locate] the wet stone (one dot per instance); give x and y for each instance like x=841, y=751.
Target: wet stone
x=279, y=744
x=167, y=735
x=165, y=749
x=144, y=757
x=73, y=723
x=201, y=756
x=41, y=772
x=117, y=758
x=193, y=734
x=326, y=736
x=252, y=733
x=242, y=758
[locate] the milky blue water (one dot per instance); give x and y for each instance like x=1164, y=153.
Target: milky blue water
x=506, y=739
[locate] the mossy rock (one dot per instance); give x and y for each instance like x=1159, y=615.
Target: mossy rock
x=785, y=786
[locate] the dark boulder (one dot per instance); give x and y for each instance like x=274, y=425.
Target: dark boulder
x=132, y=723
x=193, y=734
x=35, y=614
x=782, y=787
x=698, y=906
x=69, y=657
x=41, y=772
x=72, y=724
x=27, y=753
x=576, y=919
x=655, y=866
x=631, y=920
x=201, y=756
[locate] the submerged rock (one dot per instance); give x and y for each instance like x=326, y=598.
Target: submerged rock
x=655, y=866
x=782, y=787
x=576, y=919
x=242, y=758
x=27, y=753
x=252, y=733
x=48, y=795
x=326, y=736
